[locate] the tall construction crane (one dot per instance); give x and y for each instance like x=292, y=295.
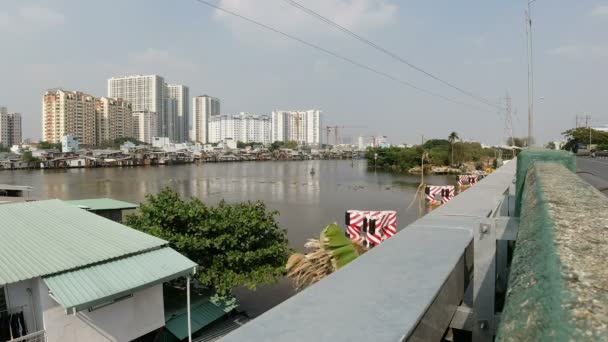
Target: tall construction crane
x=336, y=129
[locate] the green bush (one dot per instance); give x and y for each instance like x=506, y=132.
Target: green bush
x=234, y=244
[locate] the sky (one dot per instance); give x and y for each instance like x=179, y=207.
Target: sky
x=479, y=46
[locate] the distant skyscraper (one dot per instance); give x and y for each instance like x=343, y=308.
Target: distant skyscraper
x=304, y=127
x=113, y=119
x=243, y=127
x=68, y=112
x=144, y=126
x=181, y=109
x=145, y=93
x=203, y=108
x=10, y=127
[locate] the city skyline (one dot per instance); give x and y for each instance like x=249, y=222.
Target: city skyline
x=285, y=74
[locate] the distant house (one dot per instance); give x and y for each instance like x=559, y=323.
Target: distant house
x=106, y=207
x=70, y=275
x=14, y=193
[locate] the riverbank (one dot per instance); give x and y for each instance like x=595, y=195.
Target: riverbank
x=54, y=159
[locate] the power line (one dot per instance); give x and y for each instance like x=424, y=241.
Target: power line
x=347, y=59
x=391, y=54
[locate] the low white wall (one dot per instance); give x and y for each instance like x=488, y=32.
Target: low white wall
x=121, y=321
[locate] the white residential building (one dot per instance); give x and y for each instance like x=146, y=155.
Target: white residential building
x=181, y=110
x=203, y=108
x=304, y=127
x=10, y=128
x=145, y=126
x=145, y=93
x=94, y=280
x=243, y=127
x=69, y=144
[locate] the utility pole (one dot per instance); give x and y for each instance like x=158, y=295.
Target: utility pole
x=530, y=73
x=587, y=119
x=509, y=119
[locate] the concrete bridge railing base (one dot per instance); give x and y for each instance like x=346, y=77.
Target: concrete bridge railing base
x=558, y=282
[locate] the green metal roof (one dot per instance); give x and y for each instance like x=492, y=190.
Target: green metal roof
x=100, y=283
x=46, y=237
x=102, y=204
x=202, y=311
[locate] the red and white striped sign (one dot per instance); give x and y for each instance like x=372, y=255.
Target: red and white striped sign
x=467, y=180
x=447, y=193
x=388, y=223
x=374, y=231
x=354, y=227
x=431, y=191
x=439, y=193
x=372, y=227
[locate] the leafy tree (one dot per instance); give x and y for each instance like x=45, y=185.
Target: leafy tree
x=240, y=144
x=4, y=148
x=119, y=141
x=519, y=142
x=394, y=158
x=436, y=143
x=581, y=136
x=28, y=157
x=291, y=144
x=550, y=145
x=235, y=244
x=276, y=145
x=328, y=254
x=45, y=145
x=452, y=139
x=404, y=158
x=283, y=144
x=439, y=156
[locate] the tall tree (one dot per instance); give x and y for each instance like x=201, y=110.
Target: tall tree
x=452, y=139
x=583, y=135
x=234, y=244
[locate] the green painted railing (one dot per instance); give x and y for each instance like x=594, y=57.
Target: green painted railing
x=558, y=282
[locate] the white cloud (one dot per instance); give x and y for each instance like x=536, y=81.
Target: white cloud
x=581, y=51
x=151, y=60
x=567, y=51
x=600, y=11
x=599, y=51
x=30, y=18
x=498, y=61
x=41, y=16
x=356, y=15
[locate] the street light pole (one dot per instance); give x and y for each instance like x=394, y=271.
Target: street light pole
x=530, y=73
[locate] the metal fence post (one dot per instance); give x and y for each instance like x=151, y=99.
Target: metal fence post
x=484, y=280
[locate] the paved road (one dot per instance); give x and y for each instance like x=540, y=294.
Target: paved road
x=594, y=171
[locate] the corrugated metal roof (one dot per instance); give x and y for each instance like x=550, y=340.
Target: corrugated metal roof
x=219, y=329
x=102, y=204
x=100, y=283
x=15, y=187
x=46, y=237
x=202, y=314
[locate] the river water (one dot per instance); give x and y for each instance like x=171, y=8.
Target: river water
x=306, y=202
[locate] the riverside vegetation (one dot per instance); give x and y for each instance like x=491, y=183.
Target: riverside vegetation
x=438, y=152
